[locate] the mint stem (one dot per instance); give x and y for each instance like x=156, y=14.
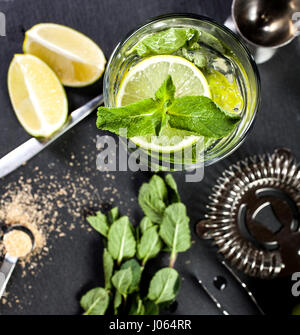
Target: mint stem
x=144, y=263
x=172, y=259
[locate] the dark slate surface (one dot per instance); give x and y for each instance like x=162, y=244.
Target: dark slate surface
x=73, y=265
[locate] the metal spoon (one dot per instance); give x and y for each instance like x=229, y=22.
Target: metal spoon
x=9, y=261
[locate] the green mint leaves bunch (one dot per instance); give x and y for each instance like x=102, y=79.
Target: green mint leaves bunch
x=128, y=249
x=196, y=114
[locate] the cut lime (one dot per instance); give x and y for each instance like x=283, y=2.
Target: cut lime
x=75, y=58
x=145, y=78
x=38, y=98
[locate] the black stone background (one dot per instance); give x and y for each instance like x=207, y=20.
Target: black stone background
x=74, y=263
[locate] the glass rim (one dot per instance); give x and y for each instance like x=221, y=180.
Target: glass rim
x=236, y=37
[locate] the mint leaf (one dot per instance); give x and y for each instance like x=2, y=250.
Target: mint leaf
x=165, y=94
x=145, y=224
x=149, y=245
x=201, y=116
x=99, y=223
x=172, y=189
x=137, y=307
x=95, y=302
x=151, y=308
x=141, y=118
x=136, y=274
x=175, y=230
x=121, y=242
x=117, y=302
x=113, y=215
x=166, y=41
x=152, y=206
x=164, y=286
x=122, y=280
x=164, y=97
x=108, y=267
x=159, y=187
x=152, y=197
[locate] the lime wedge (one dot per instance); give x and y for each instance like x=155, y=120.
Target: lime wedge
x=38, y=98
x=145, y=78
x=75, y=58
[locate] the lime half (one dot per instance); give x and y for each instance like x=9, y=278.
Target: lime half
x=145, y=78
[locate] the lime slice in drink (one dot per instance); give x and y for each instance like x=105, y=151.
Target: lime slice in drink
x=38, y=98
x=145, y=78
x=225, y=93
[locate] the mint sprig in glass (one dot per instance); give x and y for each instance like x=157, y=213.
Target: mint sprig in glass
x=177, y=81
x=196, y=114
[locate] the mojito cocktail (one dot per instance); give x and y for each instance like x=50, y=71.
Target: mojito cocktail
x=177, y=82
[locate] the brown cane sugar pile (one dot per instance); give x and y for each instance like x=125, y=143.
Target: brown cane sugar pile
x=51, y=203
x=17, y=243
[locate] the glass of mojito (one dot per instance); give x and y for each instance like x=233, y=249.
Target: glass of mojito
x=185, y=89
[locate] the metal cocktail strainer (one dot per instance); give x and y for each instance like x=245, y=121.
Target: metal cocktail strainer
x=254, y=216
